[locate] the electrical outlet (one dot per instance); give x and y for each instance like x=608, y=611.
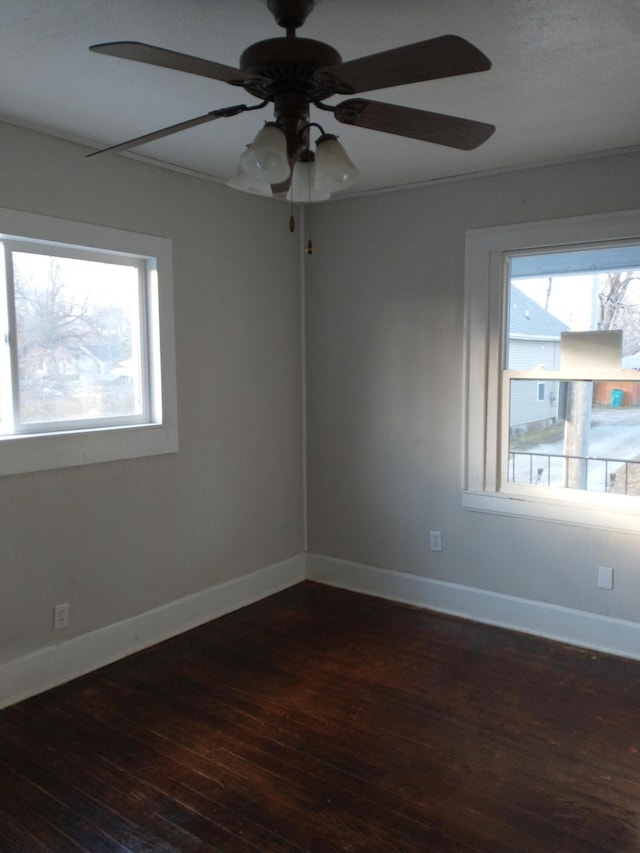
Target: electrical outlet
x=60, y=616
x=605, y=577
x=435, y=540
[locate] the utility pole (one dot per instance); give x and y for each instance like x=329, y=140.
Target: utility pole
x=576, y=433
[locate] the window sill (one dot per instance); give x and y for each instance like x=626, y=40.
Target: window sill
x=27, y=453
x=546, y=509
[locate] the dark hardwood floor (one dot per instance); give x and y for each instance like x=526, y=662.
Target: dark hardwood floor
x=321, y=720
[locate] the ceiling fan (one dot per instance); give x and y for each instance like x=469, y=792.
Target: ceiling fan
x=293, y=73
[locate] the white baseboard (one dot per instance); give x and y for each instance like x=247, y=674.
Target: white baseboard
x=57, y=664
x=577, y=627
x=54, y=665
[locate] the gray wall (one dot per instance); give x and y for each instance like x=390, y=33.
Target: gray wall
x=118, y=539
x=385, y=389
x=385, y=296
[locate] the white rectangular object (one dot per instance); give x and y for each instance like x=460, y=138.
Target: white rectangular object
x=605, y=577
x=598, y=349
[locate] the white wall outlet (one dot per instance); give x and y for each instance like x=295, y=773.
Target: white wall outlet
x=60, y=616
x=605, y=577
x=435, y=540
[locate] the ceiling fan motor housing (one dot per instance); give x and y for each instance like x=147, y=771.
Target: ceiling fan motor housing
x=286, y=64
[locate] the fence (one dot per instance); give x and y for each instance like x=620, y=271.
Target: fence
x=527, y=468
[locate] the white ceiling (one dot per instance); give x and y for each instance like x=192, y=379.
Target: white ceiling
x=565, y=80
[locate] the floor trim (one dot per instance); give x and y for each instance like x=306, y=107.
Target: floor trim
x=577, y=627
x=54, y=665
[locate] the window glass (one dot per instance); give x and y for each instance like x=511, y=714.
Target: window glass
x=582, y=290
x=574, y=310
x=590, y=441
x=78, y=339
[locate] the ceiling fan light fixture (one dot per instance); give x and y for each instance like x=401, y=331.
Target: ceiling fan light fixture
x=245, y=183
x=303, y=189
x=266, y=160
x=334, y=169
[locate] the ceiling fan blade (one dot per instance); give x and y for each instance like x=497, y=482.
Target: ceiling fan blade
x=444, y=56
x=440, y=129
x=174, y=128
x=140, y=52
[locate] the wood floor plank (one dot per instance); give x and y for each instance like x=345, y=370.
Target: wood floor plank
x=525, y=755
x=295, y=805
x=414, y=779
x=168, y=822
x=17, y=836
x=322, y=720
x=53, y=823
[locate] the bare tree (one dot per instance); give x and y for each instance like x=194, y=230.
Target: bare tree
x=618, y=309
x=50, y=324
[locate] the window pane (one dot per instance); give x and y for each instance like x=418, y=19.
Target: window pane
x=578, y=291
x=78, y=338
x=586, y=436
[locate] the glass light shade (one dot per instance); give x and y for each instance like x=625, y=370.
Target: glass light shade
x=266, y=158
x=334, y=169
x=302, y=189
x=242, y=181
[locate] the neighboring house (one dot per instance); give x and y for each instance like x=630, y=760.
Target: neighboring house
x=100, y=362
x=603, y=391
x=534, y=341
x=84, y=363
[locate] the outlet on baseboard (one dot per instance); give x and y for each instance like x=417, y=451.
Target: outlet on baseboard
x=605, y=577
x=435, y=540
x=60, y=616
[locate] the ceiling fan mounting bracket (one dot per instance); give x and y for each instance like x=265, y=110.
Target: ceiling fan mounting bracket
x=290, y=14
x=350, y=111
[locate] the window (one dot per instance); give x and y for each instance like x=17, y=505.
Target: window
x=87, y=361
x=553, y=360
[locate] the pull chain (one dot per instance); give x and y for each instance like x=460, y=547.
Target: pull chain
x=309, y=248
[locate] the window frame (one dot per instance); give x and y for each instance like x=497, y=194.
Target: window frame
x=486, y=305
x=86, y=442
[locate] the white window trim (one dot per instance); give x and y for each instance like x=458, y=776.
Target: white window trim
x=485, y=306
x=37, y=452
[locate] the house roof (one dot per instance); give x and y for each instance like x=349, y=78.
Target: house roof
x=529, y=319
